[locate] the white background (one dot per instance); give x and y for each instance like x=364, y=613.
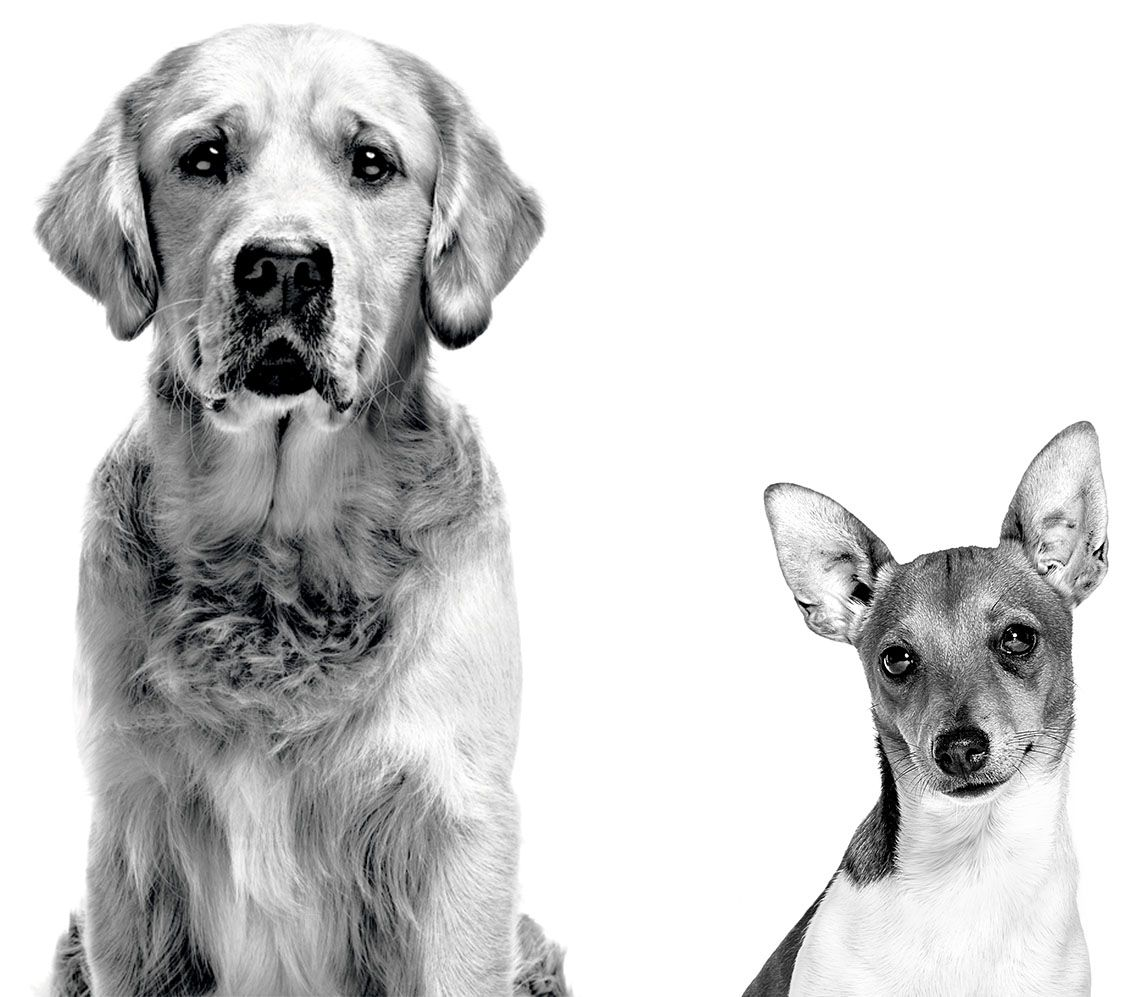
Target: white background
x=886, y=251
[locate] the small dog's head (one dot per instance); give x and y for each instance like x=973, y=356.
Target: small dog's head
x=291, y=206
x=966, y=651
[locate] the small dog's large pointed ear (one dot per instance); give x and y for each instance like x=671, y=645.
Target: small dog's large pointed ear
x=484, y=223
x=1058, y=514
x=93, y=224
x=831, y=561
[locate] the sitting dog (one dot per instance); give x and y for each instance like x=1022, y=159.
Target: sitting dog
x=298, y=640
x=962, y=879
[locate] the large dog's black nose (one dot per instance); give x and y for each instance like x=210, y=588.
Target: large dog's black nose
x=276, y=282
x=961, y=751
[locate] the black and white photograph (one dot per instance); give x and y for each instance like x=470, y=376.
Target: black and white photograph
x=439, y=437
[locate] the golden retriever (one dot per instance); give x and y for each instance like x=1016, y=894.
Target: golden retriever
x=298, y=643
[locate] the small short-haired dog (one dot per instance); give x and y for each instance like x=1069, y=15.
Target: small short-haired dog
x=298, y=642
x=962, y=879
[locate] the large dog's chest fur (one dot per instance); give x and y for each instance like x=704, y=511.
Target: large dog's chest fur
x=283, y=724
x=261, y=626
x=267, y=615
x=253, y=661
x=272, y=624
x=271, y=922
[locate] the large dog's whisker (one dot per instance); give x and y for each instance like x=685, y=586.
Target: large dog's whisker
x=168, y=306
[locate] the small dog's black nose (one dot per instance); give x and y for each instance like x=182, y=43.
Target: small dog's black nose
x=961, y=751
x=275, y=283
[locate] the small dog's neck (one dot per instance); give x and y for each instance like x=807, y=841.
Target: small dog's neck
x=1023, y=826
x=941, y=896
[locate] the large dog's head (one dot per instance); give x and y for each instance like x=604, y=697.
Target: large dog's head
x=291, y=206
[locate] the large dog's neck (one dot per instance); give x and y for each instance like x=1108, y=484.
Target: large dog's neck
x=249, y=465
x=284, y=546
x=277, y=473
x=288, y=472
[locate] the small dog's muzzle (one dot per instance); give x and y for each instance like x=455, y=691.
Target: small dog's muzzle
x=962, y=751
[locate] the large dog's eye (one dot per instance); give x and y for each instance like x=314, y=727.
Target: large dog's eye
x=371, y=165
x=207, y=160
x=1018, y=640
x=897, y=661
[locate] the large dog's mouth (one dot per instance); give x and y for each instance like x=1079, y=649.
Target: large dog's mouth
x=280, y=370
x=264, y=370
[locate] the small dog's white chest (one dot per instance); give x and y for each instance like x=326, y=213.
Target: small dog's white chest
x=974, y=933
x=267, y=924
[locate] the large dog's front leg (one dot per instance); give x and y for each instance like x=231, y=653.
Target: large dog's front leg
x=137, y=932
x=467, y=932
x=441, y=922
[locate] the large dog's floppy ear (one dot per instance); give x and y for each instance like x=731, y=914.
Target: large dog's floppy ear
x=1058, y=514
x=485, y=223
x=93, y=223
x=831, y=561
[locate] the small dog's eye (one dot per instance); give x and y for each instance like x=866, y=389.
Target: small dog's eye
x=371, y=165
x=206, y=160
x=1018, y=640
x=897, y=661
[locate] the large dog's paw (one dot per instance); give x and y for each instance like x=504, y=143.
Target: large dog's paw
x=70, y=977
x=539, y=963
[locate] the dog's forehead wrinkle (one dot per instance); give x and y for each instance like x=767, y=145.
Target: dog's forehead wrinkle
x=311, y=78
x=949, y=603
x=956, y=579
